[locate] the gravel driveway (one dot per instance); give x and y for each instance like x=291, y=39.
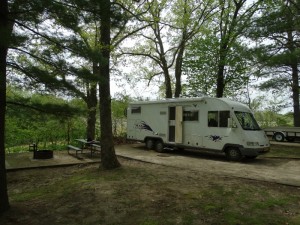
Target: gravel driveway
x=282, y=171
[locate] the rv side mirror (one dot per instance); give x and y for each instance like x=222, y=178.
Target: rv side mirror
x=231, y=123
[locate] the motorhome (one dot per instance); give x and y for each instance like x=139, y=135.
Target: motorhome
x=216, y=124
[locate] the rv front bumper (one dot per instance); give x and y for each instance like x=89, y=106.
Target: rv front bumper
x=254, y=151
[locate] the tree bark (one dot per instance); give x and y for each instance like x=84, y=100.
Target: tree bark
x=108, y=157
x=92, y=107
x=168, y=91
x=295, y=74
x=295, y=90
x=220, y=81
x=221, y=67
x=227, y=35
x=164, y=65
x=4, y=39
x=178, y=71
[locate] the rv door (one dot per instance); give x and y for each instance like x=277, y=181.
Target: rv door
x=175, y=124
x=178, y=125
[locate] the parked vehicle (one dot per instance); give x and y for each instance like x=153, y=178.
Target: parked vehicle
x=283, y=133
x=216, y=124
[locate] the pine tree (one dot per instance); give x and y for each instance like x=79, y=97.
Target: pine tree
x=4, y=42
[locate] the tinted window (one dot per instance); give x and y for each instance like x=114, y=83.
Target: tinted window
x=190, y=116
x=218, y=118
x=224, y=115
x=213, y=119
x=136, y=109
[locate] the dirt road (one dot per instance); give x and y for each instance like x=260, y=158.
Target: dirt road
x=282, y=171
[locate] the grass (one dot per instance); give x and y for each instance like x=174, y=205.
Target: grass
x=284, y=151
x=145, y=194
x=25, y=148
x=248, y=205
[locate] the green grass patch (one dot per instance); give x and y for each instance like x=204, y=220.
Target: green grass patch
x=47, y=146
x=146, y=194
x=284, y=151
x=247, y=205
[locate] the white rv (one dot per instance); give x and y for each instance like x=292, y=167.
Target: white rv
x=201, y=123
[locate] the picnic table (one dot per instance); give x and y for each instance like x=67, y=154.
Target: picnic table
x=82, y=142
x=93, y=146
x=86, y=144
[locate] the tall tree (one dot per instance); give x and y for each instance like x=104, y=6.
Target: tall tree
x=4, y=42
x=278, y=34
x=234, y=17
x=201, y=67
x=172, y=25
x=7, y=22
x=43, y=59
x=108, y=156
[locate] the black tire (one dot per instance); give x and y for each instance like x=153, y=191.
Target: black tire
x=233, y=154
x=149, y=143
x=279, y=137
x=159, y=146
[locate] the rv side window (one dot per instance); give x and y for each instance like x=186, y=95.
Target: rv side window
x=224, y=115
x=190, y=115
x=213, y=118
x=136, y=109
x=218, y=118
x=172, y=113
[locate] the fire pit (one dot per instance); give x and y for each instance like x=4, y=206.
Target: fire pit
x=43, y=154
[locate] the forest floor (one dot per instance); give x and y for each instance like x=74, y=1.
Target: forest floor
x=145, y=194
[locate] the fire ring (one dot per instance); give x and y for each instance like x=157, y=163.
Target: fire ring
x=43, y=154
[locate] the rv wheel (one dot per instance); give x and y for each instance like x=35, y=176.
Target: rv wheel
x=233, y=154
x=149, y=144
x=159, y=146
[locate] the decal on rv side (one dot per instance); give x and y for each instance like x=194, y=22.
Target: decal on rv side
x=142, y=125
x=215, y=138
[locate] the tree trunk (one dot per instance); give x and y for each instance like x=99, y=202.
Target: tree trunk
x=4, y=38
x=108, y=157
x=92, y=111
x=220, y=81
x=295, y=90
x=168, y=85
x=178, y=71
x=221, y=64
x=295, y=74
x=162, y=55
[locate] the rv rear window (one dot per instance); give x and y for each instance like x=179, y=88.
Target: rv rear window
x=136, y=109
x=190, y=115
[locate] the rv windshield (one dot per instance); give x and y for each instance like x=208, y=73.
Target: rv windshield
x=247, y=120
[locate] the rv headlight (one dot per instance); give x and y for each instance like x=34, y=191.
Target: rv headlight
x=252, y=143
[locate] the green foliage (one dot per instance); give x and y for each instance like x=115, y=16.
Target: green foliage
x=51, y=121
x=276, y=32
x=272, y=119
x=118, y=107
x=42, y=119
x=267, y=112
x=201, y=67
